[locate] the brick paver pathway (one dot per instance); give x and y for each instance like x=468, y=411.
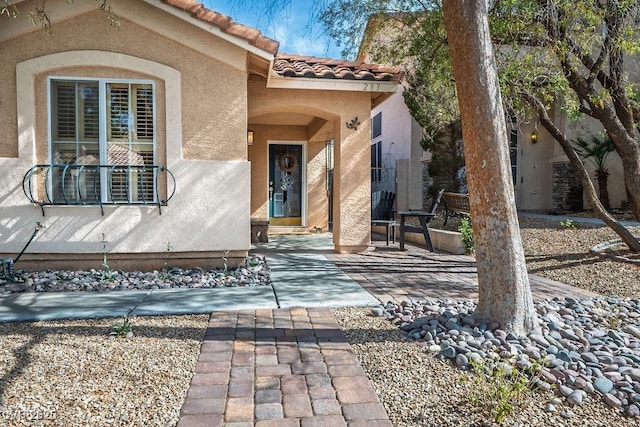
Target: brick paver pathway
x=417, y=274
x=285, y=367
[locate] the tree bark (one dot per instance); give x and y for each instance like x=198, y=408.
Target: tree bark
x=504, y=292
x=603, y=192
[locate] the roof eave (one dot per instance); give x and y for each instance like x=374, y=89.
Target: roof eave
x=275, y=81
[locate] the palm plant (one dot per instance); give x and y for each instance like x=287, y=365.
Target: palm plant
x=597, y=150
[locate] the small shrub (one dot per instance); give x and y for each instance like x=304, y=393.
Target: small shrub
x=122, y=330
x=569, y=224
x=467, y=234
x=107, y=274
x=225, y=257
x=498, y=390
x=166, y=274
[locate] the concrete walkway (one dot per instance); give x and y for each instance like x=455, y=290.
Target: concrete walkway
x=299, y=280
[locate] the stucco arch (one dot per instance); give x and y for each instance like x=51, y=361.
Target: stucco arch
x=292, y=107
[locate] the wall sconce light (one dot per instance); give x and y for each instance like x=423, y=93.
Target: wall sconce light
x=534, y=136
x=249, y=137
x=353, y=124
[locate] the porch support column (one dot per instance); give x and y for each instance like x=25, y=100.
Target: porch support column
x=352, y=186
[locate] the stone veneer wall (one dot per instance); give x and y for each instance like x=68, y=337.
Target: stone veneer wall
x=427, y=181
x=566, y=189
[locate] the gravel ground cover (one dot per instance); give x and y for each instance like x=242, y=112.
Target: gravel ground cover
x=418, y=388
x=71, y=373
x=253, y=273
x=563, y=254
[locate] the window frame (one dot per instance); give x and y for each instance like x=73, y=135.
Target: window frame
x=376, y=126
x=103, y=129
x=376, y=161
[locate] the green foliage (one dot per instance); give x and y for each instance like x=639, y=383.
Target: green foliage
x=569, y=224
x=225, y=257
x=466, y=230
x=106, y=273
x=500, y=390
x=39, y=16
x=166, y=274
x=121, y=330
x=8, y=9
x=596, y=149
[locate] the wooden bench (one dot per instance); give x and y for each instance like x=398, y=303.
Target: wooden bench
x=382, y=213
x=424, y=217
x=455, y=204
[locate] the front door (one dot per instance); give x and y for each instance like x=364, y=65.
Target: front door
x=285, y=185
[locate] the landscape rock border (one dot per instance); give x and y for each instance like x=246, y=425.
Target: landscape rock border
x=588, y=348
x=255, y=272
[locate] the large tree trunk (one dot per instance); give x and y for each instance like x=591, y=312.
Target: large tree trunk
x=504, y=292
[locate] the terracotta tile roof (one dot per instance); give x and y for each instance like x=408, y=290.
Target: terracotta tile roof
x=326, y=68
x=226, y=24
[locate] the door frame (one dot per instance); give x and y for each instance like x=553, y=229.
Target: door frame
x=303, y=184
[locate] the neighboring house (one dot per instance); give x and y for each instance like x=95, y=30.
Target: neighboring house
x=396, y=154
x=160, y=141
x=543, y=178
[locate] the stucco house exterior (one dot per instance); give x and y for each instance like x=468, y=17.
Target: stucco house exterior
x=161, y=140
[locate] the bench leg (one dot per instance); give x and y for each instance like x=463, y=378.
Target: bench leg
x=425, y=232
x=388, y=232
x=401, y=237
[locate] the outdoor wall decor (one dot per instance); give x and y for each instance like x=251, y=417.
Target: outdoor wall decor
x=353, y=124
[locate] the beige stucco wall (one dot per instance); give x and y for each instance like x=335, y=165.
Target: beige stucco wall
x=352, y=185
x=201, y=123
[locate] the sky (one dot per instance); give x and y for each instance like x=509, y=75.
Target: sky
x=290, y=26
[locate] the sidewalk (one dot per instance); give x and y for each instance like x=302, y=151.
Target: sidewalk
x=299, y=280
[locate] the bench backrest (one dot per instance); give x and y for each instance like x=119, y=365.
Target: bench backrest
x=456, y=202
x=382, y=205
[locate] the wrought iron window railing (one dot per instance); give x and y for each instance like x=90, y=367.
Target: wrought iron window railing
x=76, y=184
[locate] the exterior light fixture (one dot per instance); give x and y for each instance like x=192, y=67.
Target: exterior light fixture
x=249, y=137
x=534, y=136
